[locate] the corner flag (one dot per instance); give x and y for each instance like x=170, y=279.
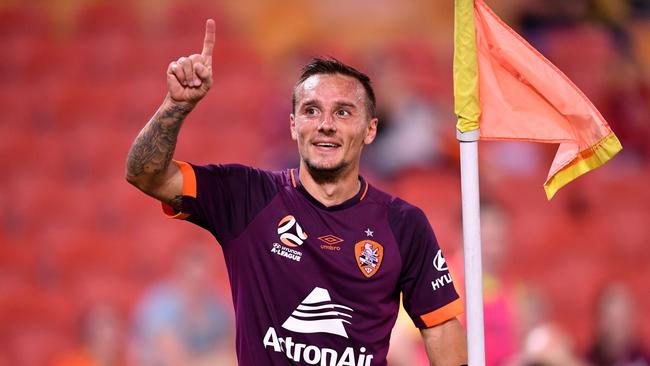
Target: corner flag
x=505, y=90
x=520, y=95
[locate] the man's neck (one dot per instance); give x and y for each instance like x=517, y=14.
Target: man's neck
x=346, y=186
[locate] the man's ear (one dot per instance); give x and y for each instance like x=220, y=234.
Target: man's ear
x=292, y=126
x=371, y=131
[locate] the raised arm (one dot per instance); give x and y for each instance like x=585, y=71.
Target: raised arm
x=446, y=344
x=148, y=164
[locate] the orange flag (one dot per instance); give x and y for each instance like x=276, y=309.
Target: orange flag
x=523, y=96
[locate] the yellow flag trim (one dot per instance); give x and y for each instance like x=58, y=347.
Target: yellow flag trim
x=466, y=93
x=587, y=160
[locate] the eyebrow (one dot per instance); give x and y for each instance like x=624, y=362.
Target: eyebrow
x=346, y=104
x=310, y=102
x=338, y=103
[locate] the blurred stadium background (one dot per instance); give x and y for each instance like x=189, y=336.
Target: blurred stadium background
x=80, y=249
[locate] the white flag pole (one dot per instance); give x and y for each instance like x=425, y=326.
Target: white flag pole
x=472, y=246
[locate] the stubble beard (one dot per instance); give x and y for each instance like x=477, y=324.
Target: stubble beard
x=326, y=175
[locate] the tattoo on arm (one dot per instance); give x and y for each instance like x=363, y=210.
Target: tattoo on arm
x=154, y=147
x=176, y=202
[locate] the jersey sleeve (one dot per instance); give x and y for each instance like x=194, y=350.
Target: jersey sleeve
x=223, y=199
x=428, y=292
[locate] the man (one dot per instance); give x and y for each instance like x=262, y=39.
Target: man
x=180, y=320
x=317, y=257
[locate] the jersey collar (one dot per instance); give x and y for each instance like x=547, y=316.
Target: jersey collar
x=295, y=182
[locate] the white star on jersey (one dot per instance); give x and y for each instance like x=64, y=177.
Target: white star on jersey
x=369, y=232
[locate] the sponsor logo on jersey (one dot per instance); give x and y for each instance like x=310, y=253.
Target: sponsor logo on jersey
x=441, y=281
x=369, y=255
x=331, y=242
x=318, y=314
x=330, y=239
x=291, y=236
x=314, y=355
x=285, y=252
x=440, y=264
x=288, y=238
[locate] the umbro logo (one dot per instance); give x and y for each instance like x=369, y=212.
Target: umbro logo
x=330, y=239
x=331, y=242
x=318, y=314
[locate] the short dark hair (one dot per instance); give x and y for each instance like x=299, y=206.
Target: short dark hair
x=330, y=66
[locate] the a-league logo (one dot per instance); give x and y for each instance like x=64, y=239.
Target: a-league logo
x=291, y=239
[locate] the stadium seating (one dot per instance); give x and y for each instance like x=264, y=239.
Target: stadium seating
x=77, y=83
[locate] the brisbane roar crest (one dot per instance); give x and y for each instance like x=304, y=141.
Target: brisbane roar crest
x=369, y=255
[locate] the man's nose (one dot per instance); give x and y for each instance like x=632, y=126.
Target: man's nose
x=327, y=124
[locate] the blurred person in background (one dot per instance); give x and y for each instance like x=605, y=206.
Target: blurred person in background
x=616, y=340
x=345, y=296
x=406, y=349
x=501, y=292
x=548, y=345
x=505, y=301
x=507, y=304
x=410, y=132
x=181, y=320
x=101, y=340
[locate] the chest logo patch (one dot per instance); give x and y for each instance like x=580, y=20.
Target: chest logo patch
x=287, y=237
x=369, y=255
x=318, y=314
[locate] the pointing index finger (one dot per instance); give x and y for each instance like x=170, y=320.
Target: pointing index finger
x=208, y=41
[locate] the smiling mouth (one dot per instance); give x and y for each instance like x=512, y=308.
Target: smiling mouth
x=327, y=145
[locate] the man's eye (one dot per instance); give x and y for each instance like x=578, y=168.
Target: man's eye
x=343, y=113
x=311, y=111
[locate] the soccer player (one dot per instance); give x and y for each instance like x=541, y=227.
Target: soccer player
x=317, y=257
